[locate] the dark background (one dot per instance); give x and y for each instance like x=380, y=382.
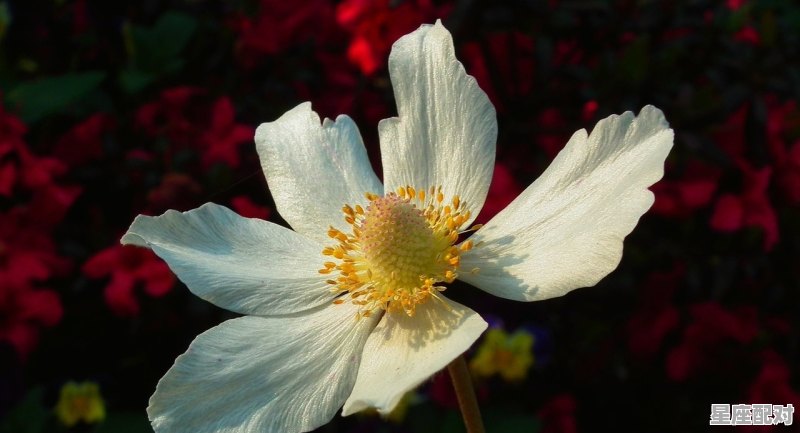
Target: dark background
x=112, y=109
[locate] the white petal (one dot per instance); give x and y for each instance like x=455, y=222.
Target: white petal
x=565, y=230
x=245, y=265
x=255, y=374
x=404, y=351
x=446, y=127
x=313, y=170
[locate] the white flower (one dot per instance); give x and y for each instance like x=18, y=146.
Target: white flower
x=347, y=309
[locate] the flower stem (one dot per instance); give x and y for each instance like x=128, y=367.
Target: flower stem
x=462, y=382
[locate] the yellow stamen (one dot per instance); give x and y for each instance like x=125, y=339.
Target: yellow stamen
x=397, y=252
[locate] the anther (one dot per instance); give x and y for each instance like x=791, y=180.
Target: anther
x=397, y=249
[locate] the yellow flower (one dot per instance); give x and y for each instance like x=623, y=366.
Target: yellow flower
x=510, y=355
x=80, y=402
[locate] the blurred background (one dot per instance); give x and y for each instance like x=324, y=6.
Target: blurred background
x=112, y=109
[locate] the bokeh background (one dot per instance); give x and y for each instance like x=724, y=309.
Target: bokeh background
x=111, y=109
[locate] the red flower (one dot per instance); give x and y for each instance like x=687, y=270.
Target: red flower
x=170, y=115
x=712, y=327
x=246, y=208
x=589, y=110
x=19, y=167
x=11, y=128
x=442, y=392
x=680, y=198
x=656, y=315
x=280, y=25
x=187, y=121
x=512, y=56
x=11, y=132
x=222, y=138
x=23, y=311
x=376, y=24
x=748, y=35
x=783, y=127
x=8, y=173
x=342, y=91
x=558, y=415
x=27, y=256
x=51, y=202
x=502, y=191
x=176, y=191
x=127, y=267
x=734, y=5
x=84, y=142
x=788, y=173
x=751, y=208
x=568, y=52
x=27, y=251
x=772, y=385
x=730, y=135
x=553, y=133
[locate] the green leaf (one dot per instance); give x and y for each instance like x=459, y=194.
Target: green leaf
x=155, y=49
x=634, y=64
x=513, y=423
x=28, y=416
x=125, y=422
x=132, y=80
x=34, y=100
x=172, y=32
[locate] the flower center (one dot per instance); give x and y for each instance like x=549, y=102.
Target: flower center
x=398, y=249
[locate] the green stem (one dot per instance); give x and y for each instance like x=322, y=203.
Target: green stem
x=462, y=383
